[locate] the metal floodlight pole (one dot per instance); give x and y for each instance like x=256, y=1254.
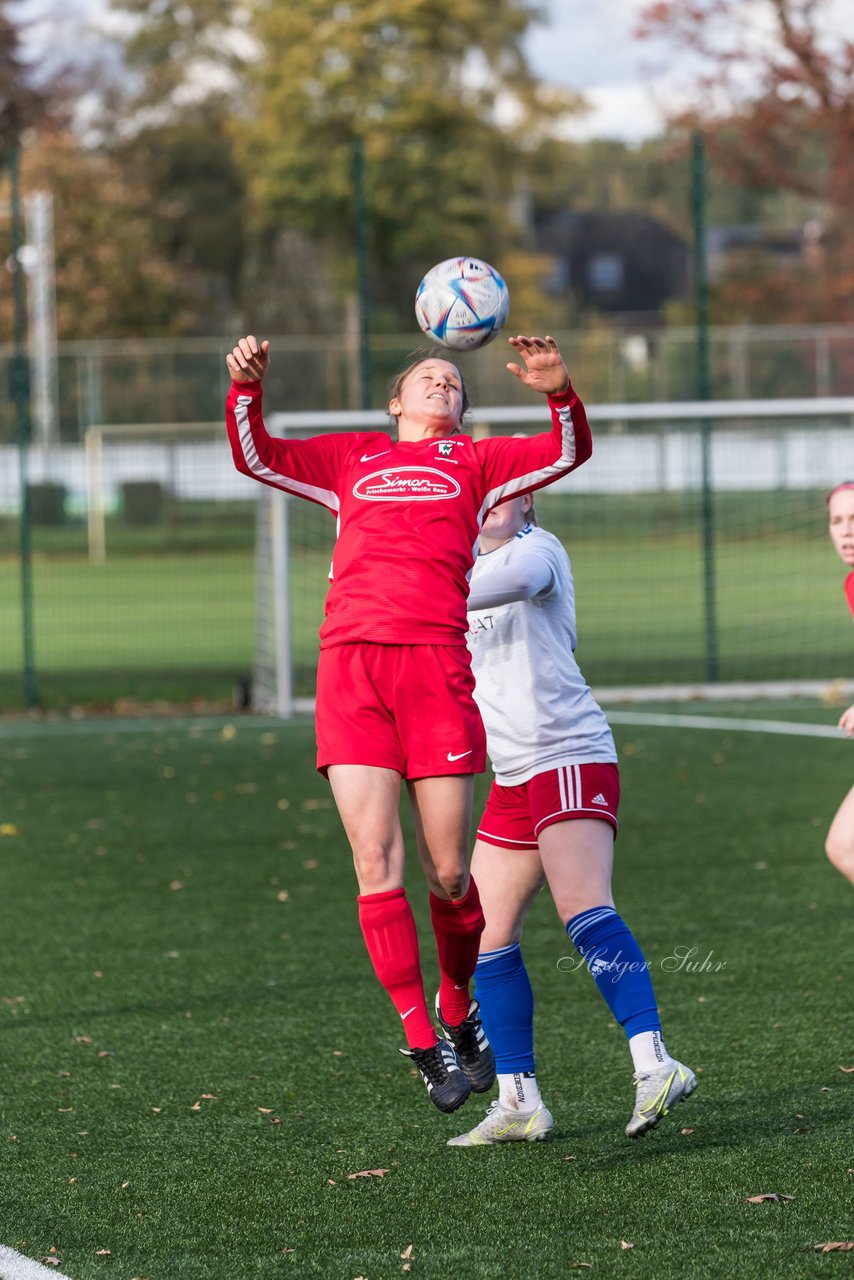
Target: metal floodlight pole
x=704, y=392
x=362, y=269
x=21, y=397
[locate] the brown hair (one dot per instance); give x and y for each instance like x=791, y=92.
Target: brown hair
x=422, y=356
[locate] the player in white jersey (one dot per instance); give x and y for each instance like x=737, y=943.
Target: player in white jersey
x=551, y=817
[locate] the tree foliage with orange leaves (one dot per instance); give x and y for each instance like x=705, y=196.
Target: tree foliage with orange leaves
x=773, y=91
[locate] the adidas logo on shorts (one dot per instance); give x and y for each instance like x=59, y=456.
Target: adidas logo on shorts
x=600, y=799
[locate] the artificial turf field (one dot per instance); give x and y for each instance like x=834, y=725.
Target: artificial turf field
x=197, y=1059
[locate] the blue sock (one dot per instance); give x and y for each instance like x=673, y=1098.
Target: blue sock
x=507, y=1008
x=618, y=967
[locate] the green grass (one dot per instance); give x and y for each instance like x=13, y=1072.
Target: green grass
x=178, y=921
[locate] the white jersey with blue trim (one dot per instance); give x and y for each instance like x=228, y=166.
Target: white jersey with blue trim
x=538, y=710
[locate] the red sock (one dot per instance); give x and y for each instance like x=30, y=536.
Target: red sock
x=388, y=928
x=457, y=926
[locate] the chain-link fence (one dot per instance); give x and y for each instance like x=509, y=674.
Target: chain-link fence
x=173, y=381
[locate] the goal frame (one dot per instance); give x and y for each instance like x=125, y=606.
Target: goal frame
x=278, y=697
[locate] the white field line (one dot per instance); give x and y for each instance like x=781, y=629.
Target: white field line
x=791, y=727
x=14, y=1266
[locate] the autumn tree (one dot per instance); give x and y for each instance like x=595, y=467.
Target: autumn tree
x=775, y=99
x=112, y=278
x=437, y=91
x=421, y=85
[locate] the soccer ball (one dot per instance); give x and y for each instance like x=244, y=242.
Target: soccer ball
x=462, y=303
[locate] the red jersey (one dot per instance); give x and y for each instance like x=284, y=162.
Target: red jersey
x=409, y=512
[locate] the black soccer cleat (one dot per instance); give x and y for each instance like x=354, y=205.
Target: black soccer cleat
x=473, y=1049
x=447, y=1086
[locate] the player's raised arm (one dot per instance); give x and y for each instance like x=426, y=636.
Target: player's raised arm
x=514, y=465
x=308, y=468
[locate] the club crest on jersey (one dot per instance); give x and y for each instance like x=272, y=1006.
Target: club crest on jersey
x=419, y=484
x=445, y=448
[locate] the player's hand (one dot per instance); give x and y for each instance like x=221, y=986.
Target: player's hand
x=249, y=360
x=544, y=369
x=846, y=722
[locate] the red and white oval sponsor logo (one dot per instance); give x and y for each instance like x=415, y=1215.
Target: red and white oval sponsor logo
x=406, y=483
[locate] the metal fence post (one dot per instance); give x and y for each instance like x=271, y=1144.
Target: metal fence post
x=21, y=396
x=704, y=392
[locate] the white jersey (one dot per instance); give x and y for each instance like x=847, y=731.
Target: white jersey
x=538, y=711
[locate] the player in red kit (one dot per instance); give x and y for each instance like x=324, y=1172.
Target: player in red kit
x=394, y=683
x=839, y=844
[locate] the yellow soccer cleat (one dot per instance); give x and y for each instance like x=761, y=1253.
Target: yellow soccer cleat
x=657, y=1092
x=503, y=1124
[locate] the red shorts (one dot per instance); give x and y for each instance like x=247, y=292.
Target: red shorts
x=407, y=707
x=514, y=816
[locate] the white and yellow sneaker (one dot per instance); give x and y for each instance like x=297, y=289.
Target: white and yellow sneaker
x=657, y=1092
x=502, y=1124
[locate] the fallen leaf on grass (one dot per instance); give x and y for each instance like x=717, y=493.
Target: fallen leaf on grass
x=847, y=1070
x=569, y=1158
x=686, y=1131
x=103, y=1253
x=205, y=1097
x=265, y=1111
x=9, y=829
x=50, y=1262
x=369, y=1173
x=626, y=1244
x=835, y=1246
x=578, y=1266
x=768, y=1195
x=407, y=1253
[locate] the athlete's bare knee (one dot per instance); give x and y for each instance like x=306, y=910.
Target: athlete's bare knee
x=452, y=882
x=841, y=855
x=375, y=867
x=570, y=905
